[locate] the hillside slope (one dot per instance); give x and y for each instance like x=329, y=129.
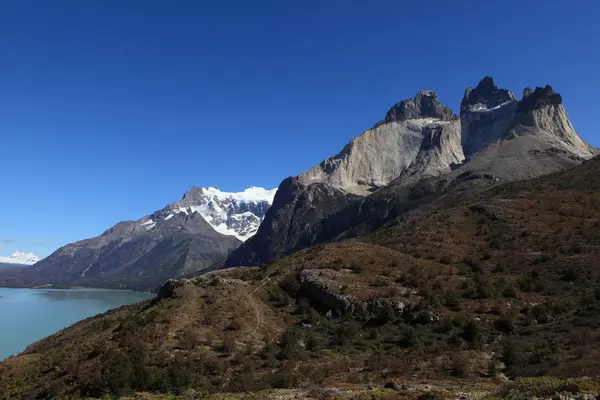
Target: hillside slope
x=506, y=281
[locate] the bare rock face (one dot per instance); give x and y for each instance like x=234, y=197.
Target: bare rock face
x=486, y=113
x=440, y=152
x=379, y=155
x=540, y=113
x=418, y=137
x=425, y=104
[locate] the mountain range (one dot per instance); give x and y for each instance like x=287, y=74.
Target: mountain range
x=492, y=294
x=434, y=245
x=417, y=158
x=182, y=238
x=420, y=153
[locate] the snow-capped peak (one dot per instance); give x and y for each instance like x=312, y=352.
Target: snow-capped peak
x=237, y=214
x=229, y=213
x=252, y=194
x=20, y=258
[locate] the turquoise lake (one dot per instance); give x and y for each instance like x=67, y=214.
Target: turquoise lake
x=28, y=315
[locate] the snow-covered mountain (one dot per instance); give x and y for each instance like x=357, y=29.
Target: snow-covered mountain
x=230, y=213
x=182, y=238
x=20, y=258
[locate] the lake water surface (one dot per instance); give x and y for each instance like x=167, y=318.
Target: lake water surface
x=28, y=315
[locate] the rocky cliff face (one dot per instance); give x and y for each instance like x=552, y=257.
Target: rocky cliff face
x=518, y=140
x=379, y=155
x=296, y=208
x=418, y=137
x=418, y=157
x=486, y=113
x=540, y=113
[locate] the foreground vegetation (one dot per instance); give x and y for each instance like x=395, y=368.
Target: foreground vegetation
x=505, y=285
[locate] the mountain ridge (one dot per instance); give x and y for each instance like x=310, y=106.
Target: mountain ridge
x=496, y=139
x=184, y=237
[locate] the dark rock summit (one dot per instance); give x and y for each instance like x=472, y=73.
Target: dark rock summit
x=527, y=91
x=541, y=97
x=426, y=104
x=485, y=96
x=486, y=114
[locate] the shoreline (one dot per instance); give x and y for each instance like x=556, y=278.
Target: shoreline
x=79, y=288
x=50, y=286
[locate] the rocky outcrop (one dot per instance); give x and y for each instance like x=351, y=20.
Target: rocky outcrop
x=322, y=295
x=296, y=208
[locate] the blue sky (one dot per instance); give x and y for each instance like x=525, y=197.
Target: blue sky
x=109, y=110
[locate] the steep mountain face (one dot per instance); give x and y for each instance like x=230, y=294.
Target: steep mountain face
x=522, y=140
x=541, y=113
x=184, y=237
x=375, y=158
x=418, y=137
x=486, y=113
x=426, y=162
x=295, y=209
x=20, y=258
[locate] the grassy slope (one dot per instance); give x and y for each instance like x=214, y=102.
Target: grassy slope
x=507, y=280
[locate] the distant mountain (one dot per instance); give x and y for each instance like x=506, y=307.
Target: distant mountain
x=235, y=214
x=419, y=155
x=20, y=258
x=183, y=238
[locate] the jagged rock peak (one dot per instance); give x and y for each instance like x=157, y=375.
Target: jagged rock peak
x=527, y=91
x=540, y=97
x=486, y=96
x=426, y=104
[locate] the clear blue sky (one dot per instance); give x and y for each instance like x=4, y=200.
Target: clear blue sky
x=109, y=110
